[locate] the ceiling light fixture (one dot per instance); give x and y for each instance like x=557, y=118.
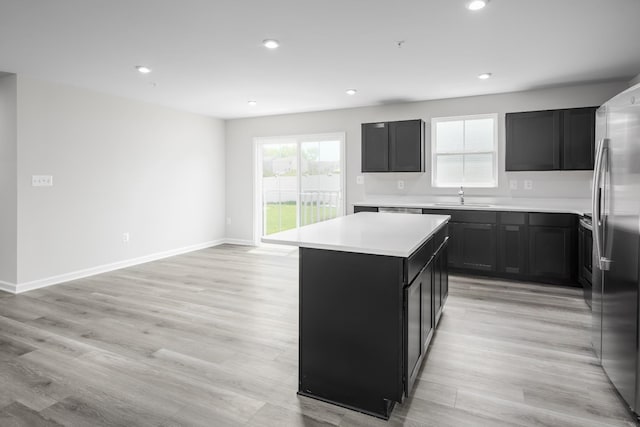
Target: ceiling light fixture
x=477, y=4
x=252, y=103
x=271, y=43
x=143, y=69
x=484, y=76
x=351, y=91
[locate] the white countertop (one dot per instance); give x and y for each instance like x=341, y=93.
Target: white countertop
x=574, y=206
x=388, y=234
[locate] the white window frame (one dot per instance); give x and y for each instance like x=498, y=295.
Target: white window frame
x=434, y=153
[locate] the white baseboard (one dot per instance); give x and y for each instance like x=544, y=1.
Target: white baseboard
x=240, y=242
x=7, y=287
x=54, y=280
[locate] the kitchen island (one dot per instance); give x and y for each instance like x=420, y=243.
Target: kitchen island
x=372, y=289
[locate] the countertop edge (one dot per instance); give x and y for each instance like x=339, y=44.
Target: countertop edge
x=361, y=250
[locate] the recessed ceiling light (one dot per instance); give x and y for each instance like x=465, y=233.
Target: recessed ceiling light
x=484, y=76
x=477, y=4
x=351, y=91
x=271, y=43
x=252, y=103
x=143, y=69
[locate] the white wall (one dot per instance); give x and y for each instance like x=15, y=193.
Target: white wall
x=240, y=133
x=118, y=166
x=8, y=194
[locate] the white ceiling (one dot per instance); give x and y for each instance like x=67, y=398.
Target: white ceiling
x=207, y=55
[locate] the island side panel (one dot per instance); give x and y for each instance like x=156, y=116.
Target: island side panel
x=351, y=329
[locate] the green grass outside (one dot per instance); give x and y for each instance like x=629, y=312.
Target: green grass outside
x=283, y=217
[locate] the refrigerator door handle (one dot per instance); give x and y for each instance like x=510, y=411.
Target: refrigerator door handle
x=597, y=194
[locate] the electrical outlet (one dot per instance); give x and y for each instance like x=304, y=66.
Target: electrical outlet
x=359, y=179
x=528, y=184
x=42, y=180
x=228, y=220
x=125, y=237
x=400, y=184
x=513, y=184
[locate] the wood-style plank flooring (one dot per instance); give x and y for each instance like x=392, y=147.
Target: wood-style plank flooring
x=210, y=339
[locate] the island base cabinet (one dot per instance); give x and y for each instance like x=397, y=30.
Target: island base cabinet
x=366, y=322
x=351, y=329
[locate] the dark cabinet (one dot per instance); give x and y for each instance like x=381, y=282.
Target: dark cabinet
x=393, y=146
x=413, y=330
x=423, y=303
x=455, y=244
x=533, y=141
x=553, y=247
x=478, y=247
x=512, y=243
x=440, y=281
x=375, y=147
x=550, y=140
x=541, y=247
x=428, y=320
x=579, y=126
x=472, y=239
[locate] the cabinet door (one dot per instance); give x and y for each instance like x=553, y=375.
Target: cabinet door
x=478, y=249
x=455, y=245
x=578, y=143
x=406, y=146
x=552, y=253
x=533, y=141
x=413, y=331
x=426, y=277
x=444, y=272
x=375, y=147
x=512, y=249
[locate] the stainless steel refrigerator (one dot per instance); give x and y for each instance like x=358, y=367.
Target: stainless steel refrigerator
x=616, y=235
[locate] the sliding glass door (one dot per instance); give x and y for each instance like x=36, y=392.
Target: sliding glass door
x=299, y=181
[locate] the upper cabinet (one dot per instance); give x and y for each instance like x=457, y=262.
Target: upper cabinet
x=393, y=146
x=550, y=140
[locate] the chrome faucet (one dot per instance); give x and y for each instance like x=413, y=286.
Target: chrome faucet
x=461, y=194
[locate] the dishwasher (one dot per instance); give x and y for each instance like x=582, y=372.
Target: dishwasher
x=401, y=210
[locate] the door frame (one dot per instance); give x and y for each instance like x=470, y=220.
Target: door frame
x=257, y=174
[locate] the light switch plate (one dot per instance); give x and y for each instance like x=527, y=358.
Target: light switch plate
x=528, y=184
x=359, y=179
x=42, y=180
x=513, y=184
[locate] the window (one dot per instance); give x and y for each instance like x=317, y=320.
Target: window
x=464, y=151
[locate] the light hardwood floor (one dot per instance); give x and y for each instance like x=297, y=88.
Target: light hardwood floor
x=210, y=339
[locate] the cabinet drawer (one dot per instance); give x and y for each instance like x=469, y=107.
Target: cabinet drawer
x=419, y=259
x=440, y=236
x=552, y=220
x=513, y=218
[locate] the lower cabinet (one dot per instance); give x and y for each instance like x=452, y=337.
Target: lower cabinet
x=418, y=299
x=551, y=251
x=478, y=247
x=512, y=243
x=424, y=299
x=534, y=246
x=472, y=246
x=553, y=247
